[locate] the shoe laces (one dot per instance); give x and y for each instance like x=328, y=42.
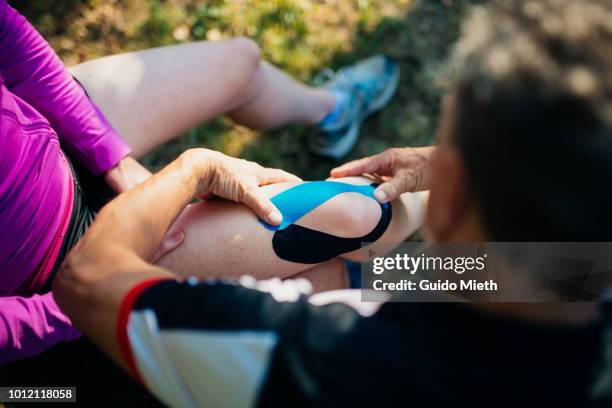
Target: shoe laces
x=342, y=76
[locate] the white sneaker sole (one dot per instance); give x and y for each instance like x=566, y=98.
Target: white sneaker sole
x=346, y=144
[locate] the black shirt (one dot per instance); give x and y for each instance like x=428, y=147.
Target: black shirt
x=223, y=344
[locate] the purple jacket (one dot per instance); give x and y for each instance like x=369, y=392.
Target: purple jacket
x=41, y=106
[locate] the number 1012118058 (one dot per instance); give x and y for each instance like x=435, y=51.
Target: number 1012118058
x=42, y=394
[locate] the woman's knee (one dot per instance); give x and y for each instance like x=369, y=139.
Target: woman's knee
x=348, y=215
x=246, y=49
x=240, y=61
x=246, y=54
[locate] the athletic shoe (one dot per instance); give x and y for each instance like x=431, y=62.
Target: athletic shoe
x=361, y=89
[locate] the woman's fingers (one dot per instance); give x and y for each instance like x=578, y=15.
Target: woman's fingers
x=239, y=180
x=390, y=190
x=378, y=164
x=384, y=164
x=404, y=181
x=402, y=169
x=358, y=167
x=261, y=205
x=271, y=176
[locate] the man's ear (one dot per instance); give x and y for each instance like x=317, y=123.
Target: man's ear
x=448, y=204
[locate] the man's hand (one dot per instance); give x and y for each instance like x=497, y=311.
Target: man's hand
x=127, y=174
x=403, y=170
x=239, y=180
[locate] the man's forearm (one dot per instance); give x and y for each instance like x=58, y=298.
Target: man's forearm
x=138, y=219
x=113, y=256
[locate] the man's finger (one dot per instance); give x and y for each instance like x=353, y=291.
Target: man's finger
x=262, y=206
x=271, y=176
x=357, y=167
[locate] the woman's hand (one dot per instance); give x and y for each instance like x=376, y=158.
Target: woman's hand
x=127, y=174
x=403, y=170
x=238, y=180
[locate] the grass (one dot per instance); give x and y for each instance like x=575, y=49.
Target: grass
x=300, y=36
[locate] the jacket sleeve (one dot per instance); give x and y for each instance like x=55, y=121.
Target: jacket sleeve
x=29, y=326
x=32, y=71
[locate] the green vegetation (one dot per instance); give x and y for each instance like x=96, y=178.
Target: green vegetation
x=300, y=36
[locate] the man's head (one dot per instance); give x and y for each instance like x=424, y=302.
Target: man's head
x=526, y=133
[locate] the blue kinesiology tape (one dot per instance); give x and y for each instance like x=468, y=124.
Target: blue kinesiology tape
x=300, y=244
x=296, y=202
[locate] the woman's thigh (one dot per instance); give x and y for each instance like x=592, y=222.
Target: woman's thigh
x=153, y=95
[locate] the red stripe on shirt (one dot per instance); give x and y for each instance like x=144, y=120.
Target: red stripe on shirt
x=122, y=324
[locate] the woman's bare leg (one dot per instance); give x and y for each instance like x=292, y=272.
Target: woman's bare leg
x=330, y=275
x=277, y=99
x=224, y=239
x=154, y=95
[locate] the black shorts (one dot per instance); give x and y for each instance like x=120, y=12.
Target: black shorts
x=90, y=195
